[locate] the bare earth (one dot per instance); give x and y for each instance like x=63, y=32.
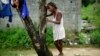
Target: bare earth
x=67, y=52
x=80, y=52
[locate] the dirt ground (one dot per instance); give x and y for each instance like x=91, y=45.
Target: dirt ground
x=67, y=52
x=80, y=52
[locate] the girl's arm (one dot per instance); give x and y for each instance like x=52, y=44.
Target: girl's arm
x=58, y=19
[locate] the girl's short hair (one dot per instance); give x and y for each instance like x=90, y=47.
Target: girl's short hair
x=51, y=4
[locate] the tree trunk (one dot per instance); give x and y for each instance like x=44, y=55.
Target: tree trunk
x=38, y=38
x=42, y=28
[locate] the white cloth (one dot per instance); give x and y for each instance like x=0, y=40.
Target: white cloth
x=12, y=2
x=5, y=1
x=58, y=30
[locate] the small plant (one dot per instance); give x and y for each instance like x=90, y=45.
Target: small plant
x=49, y=36
x=14, y=37
x=82, y=38
x=95, y=37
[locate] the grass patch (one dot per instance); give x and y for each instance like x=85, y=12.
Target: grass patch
x=88, y=12
x=18, y=38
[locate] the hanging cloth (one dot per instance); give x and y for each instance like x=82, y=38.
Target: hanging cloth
x=23, y=8
x=6, y=9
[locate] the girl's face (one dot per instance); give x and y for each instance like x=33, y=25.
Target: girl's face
x=16, y=3
x=51, y=9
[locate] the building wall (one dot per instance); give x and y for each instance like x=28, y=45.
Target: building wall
x=70, y=9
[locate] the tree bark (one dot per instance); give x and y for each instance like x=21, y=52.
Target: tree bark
x=42, y=28
x=38, y=38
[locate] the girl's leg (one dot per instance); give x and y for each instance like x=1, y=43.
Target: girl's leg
x=59, y=46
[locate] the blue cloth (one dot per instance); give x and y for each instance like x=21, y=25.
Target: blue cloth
x=6, y=11
x=24, y=9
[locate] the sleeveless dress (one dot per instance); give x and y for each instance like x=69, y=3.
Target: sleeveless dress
x=58, y=29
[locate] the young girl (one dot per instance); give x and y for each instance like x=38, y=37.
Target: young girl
x=58, y=28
